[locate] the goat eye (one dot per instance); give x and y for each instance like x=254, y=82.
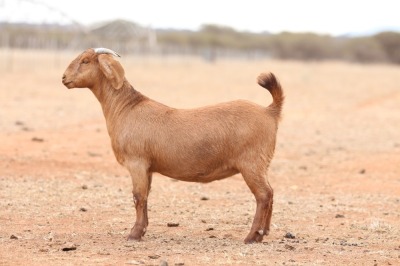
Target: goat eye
x=85, y=61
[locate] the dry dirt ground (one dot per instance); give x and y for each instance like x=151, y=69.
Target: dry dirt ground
x=64, y=200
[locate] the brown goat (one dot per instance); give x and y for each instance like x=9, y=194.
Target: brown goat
x=195, y=145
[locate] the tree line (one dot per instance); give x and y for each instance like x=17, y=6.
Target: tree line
x=383, y=47
x=210, y=42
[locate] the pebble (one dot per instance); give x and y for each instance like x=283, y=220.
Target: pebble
x=172, y=224
x=135, y=262
x=290, y=235
x=289, y=247
x=69, y=247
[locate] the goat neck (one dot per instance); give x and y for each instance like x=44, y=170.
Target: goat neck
x=114, y=102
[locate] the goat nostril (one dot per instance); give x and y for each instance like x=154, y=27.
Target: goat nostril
x=63, y=77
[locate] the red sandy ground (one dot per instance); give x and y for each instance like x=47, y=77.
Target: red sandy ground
x=336, y=170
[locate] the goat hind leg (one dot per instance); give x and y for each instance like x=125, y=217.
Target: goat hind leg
x=263, y=194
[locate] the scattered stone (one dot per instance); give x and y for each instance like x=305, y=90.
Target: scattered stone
x=339, y=216
x=204, y=198
x=49, y=237
x=212, y=236
x=14, y=237
x=209, y=229
x=83, y=209
x=289, y=247
x=362, y=171
x=44, y=250
x=19, y=123
x=26, y=129
x=163, y=263
x=103, y=252
x=179, y=264
x=84, y=187
x=69, y=247
x=154, y=257
x=93, y=154
x=135, y=262
x=37, y=139
x=172, y=224
x=289, y=235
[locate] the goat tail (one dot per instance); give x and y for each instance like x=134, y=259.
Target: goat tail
x=269, y=82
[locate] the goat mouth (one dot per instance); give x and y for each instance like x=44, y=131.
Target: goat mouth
x=67, y=83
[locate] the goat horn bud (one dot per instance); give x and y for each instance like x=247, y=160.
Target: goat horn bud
x=105, y=51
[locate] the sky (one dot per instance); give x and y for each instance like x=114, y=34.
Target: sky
x=335, y=18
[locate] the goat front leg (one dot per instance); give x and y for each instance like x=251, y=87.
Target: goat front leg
x=141, y=182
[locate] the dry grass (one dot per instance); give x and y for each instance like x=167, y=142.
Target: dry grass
x=338, y=155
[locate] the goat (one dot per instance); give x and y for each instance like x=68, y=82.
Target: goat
x=196, y=145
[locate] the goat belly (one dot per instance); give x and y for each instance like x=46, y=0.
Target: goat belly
x=198, y=174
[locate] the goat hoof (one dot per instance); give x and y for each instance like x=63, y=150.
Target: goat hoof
x=253, y=238
x=134, y=238
x=136, y=234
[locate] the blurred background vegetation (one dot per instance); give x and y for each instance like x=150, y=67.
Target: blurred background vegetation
x=210, y=42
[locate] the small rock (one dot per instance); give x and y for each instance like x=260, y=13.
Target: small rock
x=289, y=235
x=83, y=209
x=339, y=216
x=69, y=247
x=209, y=229
x=49, y=237
x=204, y=198
x=19, y=123
x=93, y=154
x=14, y=237
x=289, y=247
x=37, y=139
x=103, y=252
x=84, y=187
x=172, y=224
x=212, y=236
x=154, y=257
x=362, y=171
x=135, y=262
x=179, y=264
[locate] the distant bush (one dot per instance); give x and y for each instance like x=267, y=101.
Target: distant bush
x=390, y=42
x=210, y=41
x=364, y=50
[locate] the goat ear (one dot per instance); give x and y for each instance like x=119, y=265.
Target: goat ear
x=112, y=69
